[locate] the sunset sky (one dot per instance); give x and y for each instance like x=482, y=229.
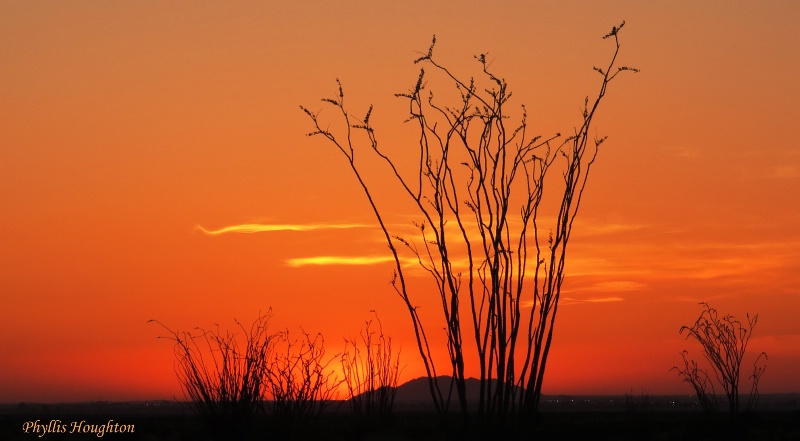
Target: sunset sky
x=134, y=135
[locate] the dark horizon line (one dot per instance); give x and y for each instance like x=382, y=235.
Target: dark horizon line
x=635, y=394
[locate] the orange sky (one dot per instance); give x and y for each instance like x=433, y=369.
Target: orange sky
x=126, y=125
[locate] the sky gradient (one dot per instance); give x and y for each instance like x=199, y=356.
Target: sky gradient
x=135, y=137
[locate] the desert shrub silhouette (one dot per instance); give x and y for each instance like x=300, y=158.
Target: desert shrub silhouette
x=222, y=373
x=238, y=381
x=477, y=190
x=371, y=369
x=723, y=341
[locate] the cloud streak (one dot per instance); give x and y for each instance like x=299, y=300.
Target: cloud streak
x=610, y=286
x=338, y=260
x=573, y=301
x=595, y=300
x=261, y=228
x=349, y=260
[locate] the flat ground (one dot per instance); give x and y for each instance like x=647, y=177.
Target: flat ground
x=563, y=419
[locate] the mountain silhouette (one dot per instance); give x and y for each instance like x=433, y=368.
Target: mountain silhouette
x=418, y=389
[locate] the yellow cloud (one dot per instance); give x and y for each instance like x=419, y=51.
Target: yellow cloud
x=338, y=260
x=573, y=301
x=259, y=228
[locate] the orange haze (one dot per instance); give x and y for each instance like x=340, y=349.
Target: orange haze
x=130, y=130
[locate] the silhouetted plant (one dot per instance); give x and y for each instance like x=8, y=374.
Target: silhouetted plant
x=476, y=172
x=222, y=373
x=640, y=403
x=700, y=382
x=371, y=370
x=724, y=343
x=299, y=381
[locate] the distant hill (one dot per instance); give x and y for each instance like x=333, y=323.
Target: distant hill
x=418, y=390
x=415, y=395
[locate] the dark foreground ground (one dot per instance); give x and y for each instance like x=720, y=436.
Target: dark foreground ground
x=561, y=418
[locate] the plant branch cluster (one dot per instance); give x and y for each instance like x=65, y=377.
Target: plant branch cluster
x=371, y=368
x=299, y=379
x=723, y=341
x=231, y=377
x=478, y=190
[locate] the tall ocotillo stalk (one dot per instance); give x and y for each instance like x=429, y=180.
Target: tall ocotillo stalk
x=478, y=191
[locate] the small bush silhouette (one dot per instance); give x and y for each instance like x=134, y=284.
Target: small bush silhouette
x=371, y=369
x=299, y=381
x=640, y=403
x=232, y=378
x=724, y=342
x=222, y=373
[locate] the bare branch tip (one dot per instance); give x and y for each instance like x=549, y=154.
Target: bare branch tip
x=614, y=30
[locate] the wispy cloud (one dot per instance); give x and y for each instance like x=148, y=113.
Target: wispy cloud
x=573, y=301
x=570, y=300
x=261, y=228
x=406, y=262
x=610, y=286
x=338, y=260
